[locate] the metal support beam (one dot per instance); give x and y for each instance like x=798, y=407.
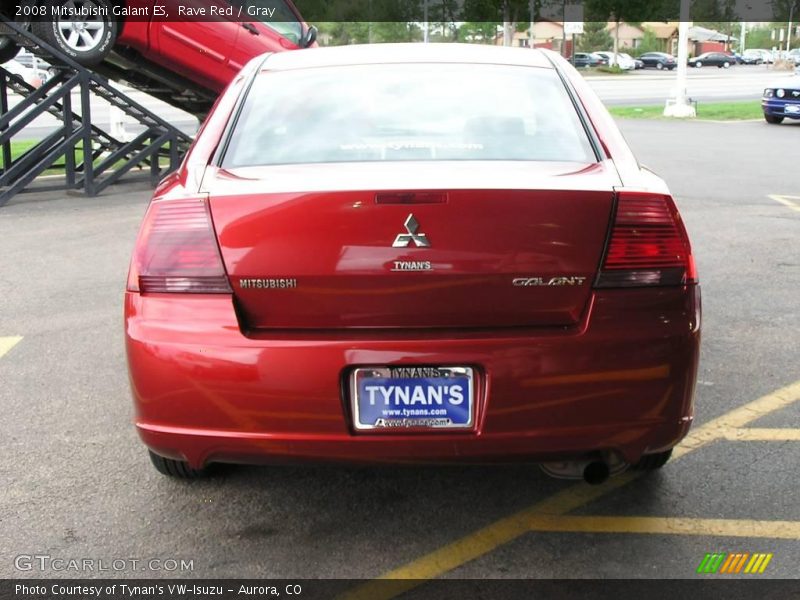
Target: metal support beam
x=78, y=136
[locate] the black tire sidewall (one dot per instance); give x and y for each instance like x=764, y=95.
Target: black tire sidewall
x=48, y=31
x=8, y=49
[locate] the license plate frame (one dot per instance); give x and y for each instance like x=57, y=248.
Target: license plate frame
x=792, y=109
x=364, y=417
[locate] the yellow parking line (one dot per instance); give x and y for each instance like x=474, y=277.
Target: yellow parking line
x=738, y=418
x=787, y=201
x=482, y=541
x=475, y=545
x=754, y=434
x=780, y=530
x=7, y=343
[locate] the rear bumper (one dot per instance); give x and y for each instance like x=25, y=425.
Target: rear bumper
x=623, y=381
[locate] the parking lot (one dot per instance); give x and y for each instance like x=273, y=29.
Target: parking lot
x=79, y=484
x=709, y=84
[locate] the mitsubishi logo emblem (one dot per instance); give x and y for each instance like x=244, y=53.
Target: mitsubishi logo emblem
x=404, y=239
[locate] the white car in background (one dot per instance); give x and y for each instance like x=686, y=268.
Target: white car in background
x=766, y=55
x=625, y=62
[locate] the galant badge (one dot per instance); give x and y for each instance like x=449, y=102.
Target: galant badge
x=404, y=239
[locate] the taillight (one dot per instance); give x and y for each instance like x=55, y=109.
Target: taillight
x=648, y=244
x=177, y=250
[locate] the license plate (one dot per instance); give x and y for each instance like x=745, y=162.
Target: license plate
x=412, y=397
x=792, y=109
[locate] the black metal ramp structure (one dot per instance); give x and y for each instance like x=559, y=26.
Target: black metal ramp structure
x=91, y=158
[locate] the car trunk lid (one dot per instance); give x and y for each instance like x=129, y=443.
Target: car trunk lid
x=412, y=244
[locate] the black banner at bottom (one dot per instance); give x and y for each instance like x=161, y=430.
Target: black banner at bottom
x=354, y=589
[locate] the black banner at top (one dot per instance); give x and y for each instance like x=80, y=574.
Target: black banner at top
x=409, y=11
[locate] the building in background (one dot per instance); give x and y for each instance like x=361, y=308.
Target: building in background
x=630, y=36
x=547, y=34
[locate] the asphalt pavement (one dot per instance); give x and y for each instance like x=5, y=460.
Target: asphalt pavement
x=77, y=482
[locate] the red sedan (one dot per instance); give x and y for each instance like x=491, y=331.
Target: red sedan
x=412, y=253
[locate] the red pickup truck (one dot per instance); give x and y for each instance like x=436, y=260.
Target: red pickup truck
x=184, y=52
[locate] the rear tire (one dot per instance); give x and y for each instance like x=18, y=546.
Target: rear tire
x=176, y=468
x=726, y=65
x=86, y=42
x=773, y=120
x=698, y=64
x=651, y=462
x=659, y=66
x=8, y=49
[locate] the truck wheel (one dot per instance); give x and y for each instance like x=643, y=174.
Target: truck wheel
x=86, y=42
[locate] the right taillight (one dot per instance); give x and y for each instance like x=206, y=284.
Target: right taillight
x=648, y=244
x=177, y=251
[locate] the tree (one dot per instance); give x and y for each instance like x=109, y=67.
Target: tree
x=649, y=43
x=391, y=31
x=762, y=37
x=619, y=11
x=480, y=32
x=595, y=37
x=759, y=38
x=342, y=33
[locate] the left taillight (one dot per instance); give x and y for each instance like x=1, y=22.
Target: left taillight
x=177, y=251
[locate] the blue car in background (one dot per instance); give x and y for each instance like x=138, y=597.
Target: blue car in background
x=782, y=101
x=588, y=59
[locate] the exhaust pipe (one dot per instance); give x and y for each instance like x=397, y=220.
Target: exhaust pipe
x=596, y=472
x=593, y=470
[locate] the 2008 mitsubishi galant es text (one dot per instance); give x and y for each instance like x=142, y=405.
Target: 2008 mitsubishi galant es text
x=412, y=253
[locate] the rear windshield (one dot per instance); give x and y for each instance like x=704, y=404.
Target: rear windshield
x=396, y=112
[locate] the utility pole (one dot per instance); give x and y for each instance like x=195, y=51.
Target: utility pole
x=531, y=34
x=369, y=27
x=678, y=105
x=789, y=31
x=742, y=35
x=508, y=30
